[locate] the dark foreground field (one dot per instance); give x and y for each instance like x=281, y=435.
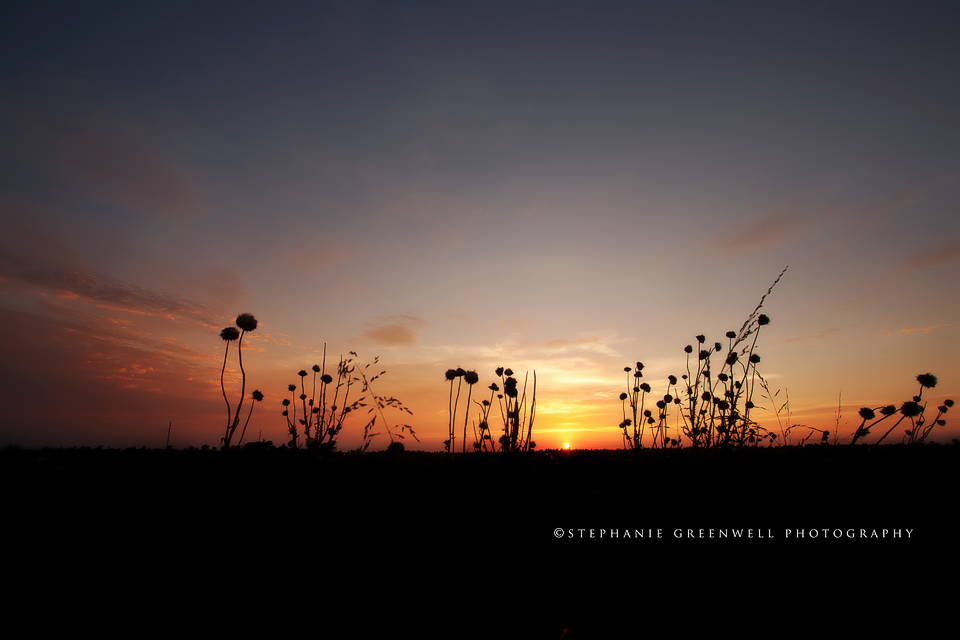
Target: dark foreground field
x=522, y=547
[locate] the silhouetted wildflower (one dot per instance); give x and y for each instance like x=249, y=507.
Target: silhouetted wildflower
x=910, y=409
x=927, y=380
x=316, y=368
x=247, y=322
x=867, y=413
x=701, y=339
x=450, y=374
x=229, y=334
x=688, y=348
x=731, y=334
x=302, y=373
x=763, y=320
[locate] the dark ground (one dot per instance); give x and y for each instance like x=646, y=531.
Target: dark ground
x=265, y=539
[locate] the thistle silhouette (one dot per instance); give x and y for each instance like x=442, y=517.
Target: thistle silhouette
x=471, y=378
x=246, y=323
x=228, y=335
x=255, y=397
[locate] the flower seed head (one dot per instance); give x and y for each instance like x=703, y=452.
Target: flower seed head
x=927, y=380
x=910, y=409
x=763, y=320
x=326, y=378
x=256, y=395
x=471, y=377
x=247, y=322
x=291, y=387
x=688, y=348
x=229, y=334
x=450, y=374
x=731, y=334
x=701, y=339
x=302, y=373
x=867, y=413
x=316, y=368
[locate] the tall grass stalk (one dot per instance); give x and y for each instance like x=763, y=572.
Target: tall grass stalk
x=395, y=433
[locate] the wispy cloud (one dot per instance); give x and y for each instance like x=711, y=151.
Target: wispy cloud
x=914, y=329
x=933, y=256
x=111, y=293
x=767, y=233
x=394, y=331
x=128, y=174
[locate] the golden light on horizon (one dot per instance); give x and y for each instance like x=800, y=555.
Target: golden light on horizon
x=566, y=445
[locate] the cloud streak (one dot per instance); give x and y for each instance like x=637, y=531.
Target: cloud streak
x=934, y=256
x=394, y=331
x=128, y=175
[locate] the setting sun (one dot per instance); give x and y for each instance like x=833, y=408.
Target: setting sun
x=566, y=445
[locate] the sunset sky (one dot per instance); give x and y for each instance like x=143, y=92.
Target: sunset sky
x=565, y=187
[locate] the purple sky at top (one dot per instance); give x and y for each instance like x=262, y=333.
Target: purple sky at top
x=561, y=186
